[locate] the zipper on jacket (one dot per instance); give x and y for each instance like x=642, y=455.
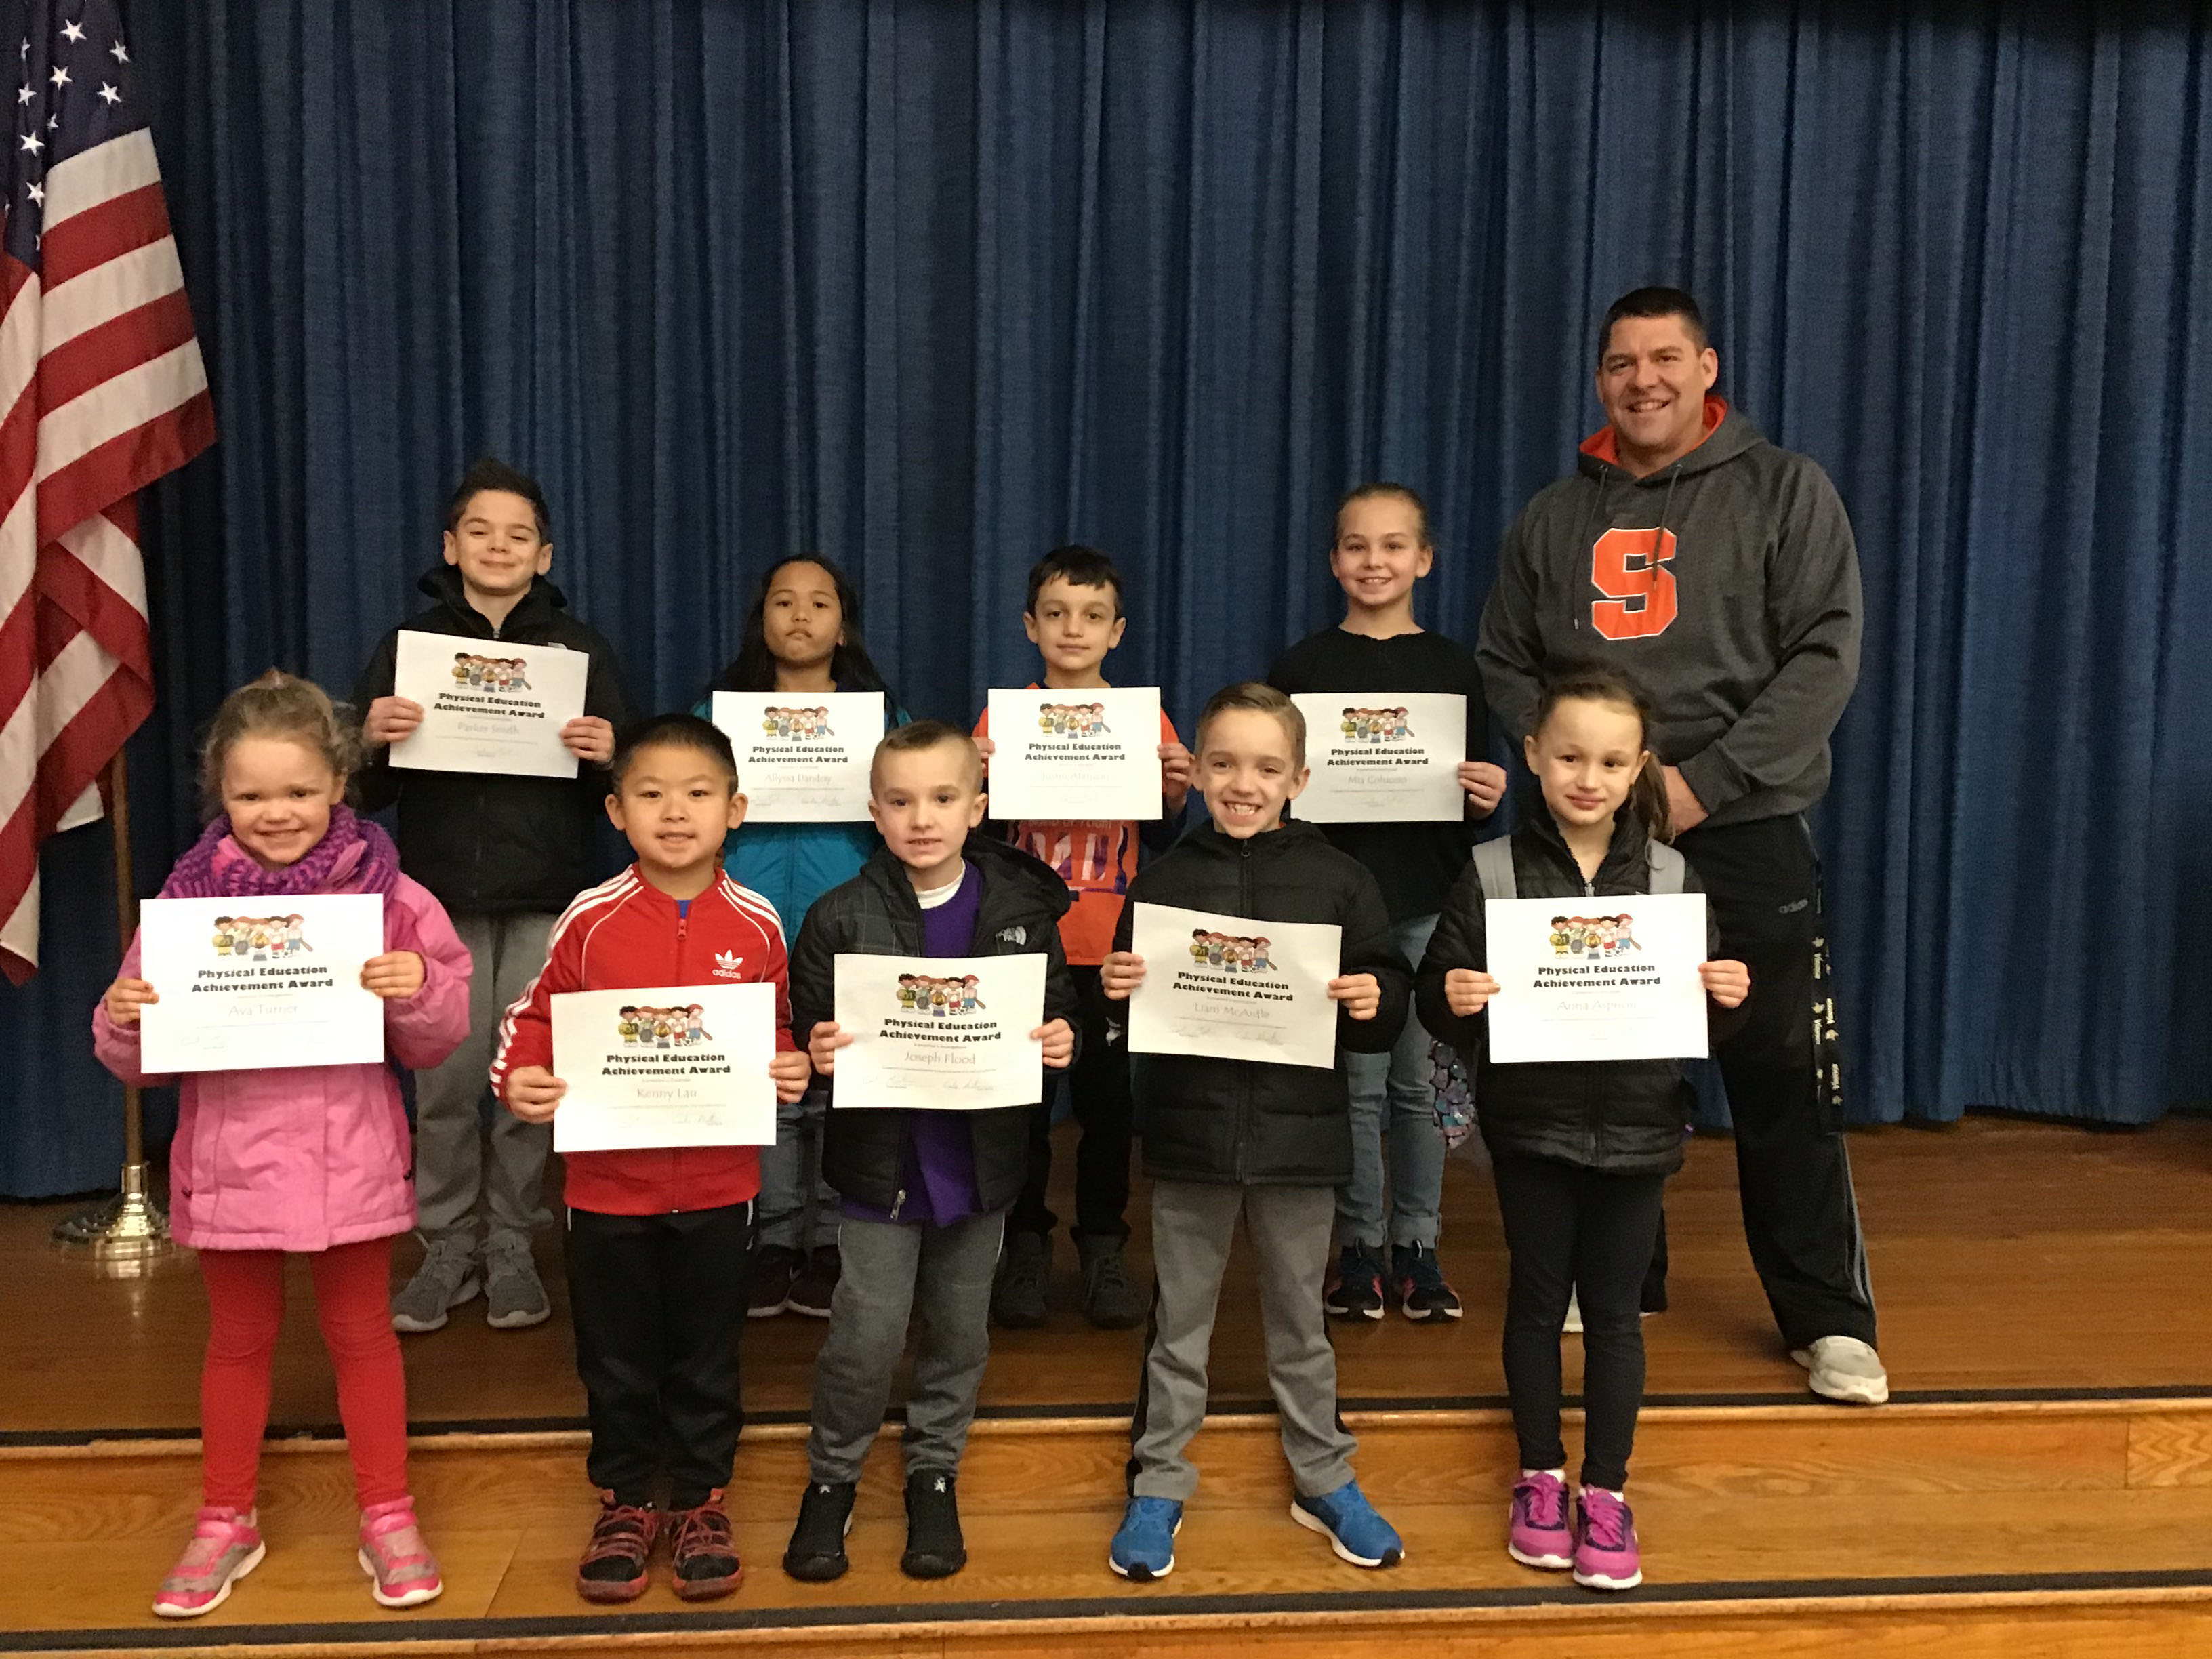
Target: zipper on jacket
x=898, y=1203
x=679, y=977
x=1244, y=1124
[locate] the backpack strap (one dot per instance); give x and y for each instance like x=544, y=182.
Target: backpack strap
x=1493, y=864
x=1668, y=868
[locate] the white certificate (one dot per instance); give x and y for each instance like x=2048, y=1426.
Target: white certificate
x=1233, y=987
x=951, y=1033
x=489, y=705
x=1383, y=758
x=803, y=755
x=1082, y=755
x=670, y=1065
x=251, y=983
x=1611, y=978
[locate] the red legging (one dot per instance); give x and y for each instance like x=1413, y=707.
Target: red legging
x=245, y=1309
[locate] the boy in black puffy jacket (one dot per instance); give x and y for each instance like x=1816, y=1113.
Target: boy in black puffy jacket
x=1270, y=1143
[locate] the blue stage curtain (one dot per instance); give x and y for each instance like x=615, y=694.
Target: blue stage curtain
x=932, y=287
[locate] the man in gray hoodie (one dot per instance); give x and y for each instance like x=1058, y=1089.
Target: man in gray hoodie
x=1719, y=570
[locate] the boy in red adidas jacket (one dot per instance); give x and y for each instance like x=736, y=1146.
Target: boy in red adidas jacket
x=660, y=1241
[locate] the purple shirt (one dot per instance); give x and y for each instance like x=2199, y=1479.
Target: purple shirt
x=937, y=1169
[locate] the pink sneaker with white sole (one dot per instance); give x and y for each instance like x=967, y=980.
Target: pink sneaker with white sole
x=1605, y=1555
x=226, y=1546
x=1537, y=1535
x=402, y=1571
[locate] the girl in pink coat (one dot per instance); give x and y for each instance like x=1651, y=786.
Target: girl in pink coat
x=312, y=1159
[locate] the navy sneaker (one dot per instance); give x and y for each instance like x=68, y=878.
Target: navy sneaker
x=1423, y=1293
x=1355, y=1288
x=1144, y=1548
x=1354, y=1531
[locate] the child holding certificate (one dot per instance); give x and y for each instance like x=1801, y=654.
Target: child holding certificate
x=802, y=634
x=659, y=1240
x=926, y=1191
x=1579, y=1151
x=1269, y=1143
x=1381, y=551
x=310, y=1159
x=503, y=853
x=1074, y=618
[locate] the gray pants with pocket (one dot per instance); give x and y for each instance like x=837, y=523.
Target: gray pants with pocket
x=459, y=1162
x=1289, y=1230
x=894, y=1271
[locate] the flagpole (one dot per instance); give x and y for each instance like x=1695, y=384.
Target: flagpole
x=131, y=1226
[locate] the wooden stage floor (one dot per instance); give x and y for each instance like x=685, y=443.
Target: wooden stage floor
x=2011, y=1260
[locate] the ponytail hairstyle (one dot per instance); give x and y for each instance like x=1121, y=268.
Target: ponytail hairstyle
x=753, y=669
x=1590, y=682
x=278, y=705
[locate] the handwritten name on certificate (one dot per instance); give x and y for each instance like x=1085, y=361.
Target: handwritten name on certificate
x=943, y=1033
x=803, y=755
x=251, y=983
x=1081, y=754
x=1610, y=978
x=489, y=705
x=1383, y=758
x=674, y=1065
x=1233, y=987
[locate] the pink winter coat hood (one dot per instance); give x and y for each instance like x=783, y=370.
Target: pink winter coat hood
x=312, y=1156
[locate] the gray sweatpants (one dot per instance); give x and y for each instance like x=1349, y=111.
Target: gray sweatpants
x=1289, y=1227
x=459, y=1161
x=893, y=1270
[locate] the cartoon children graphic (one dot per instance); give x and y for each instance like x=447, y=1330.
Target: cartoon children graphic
x=222, y=936
x=940, y=1004
x=1197, y=947
x=906, y=993
x=1259, y=962
x=1350, y=727
x=1575, y=931
x=294, y=934
x=694, y=1023
x=970, y=1002
x=1217, y=946
x=260, y=941
x=628, y=1027
x=662, y=1030
x=1559, y=936
x=518, y=674
x=1624, y=935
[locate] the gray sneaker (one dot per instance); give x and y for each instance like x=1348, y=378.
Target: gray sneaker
x=1018, y=1300
x=1109, y=1301
x=515, y=1296
x=448, y=1277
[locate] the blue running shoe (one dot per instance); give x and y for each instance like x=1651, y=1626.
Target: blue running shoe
x=1144, y=1549
x=1353, y=1529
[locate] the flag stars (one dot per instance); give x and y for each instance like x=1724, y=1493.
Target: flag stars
x=73, y=31
x=24, y=95
x=109, y=95
x=118, y=53
x=38, y=193
x=32, y=144
x=60, y=77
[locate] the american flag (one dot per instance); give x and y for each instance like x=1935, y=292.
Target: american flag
x=104, y=391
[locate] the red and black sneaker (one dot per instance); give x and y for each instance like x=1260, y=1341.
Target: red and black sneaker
x=703, y=1557
x=1419, y=1285
x=614, y=1564
x=1354, y=1289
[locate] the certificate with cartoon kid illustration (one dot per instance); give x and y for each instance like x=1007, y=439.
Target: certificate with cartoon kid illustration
x=251, y=983
x=803, y=756
x=1596, y=979
x=679, y=1066
x=946, y=1033
x=1233, y=987
x=489, y=705
x=1383, y=758
x=1088, y=755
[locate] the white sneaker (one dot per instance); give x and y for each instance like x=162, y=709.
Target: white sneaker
x=1844, y=1368
x=1574, y=1323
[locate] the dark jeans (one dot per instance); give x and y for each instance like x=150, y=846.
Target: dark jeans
x=1800, y=1217
x=657, y=1302
x=1571, y=1231
x=1098, y=1084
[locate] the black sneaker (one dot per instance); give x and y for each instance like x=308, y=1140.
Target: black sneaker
x=815, y=1283
x=703, y=1557
x=817, y=1543
x=934, y=1547
x=614, y=1564
x=1110, y=1302
x=1357, y=1291
x=1420, y=1284
x=1025, y=1270
x=774, y=1270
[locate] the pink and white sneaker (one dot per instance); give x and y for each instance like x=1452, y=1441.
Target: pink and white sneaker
x=1605, y=1555
x=226, y=1546
x=402, y=1571
x=1537, y=1535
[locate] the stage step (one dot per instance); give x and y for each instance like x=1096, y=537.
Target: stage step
x=1777, y=1528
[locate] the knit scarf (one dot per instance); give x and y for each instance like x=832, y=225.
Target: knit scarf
x=354, y=856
